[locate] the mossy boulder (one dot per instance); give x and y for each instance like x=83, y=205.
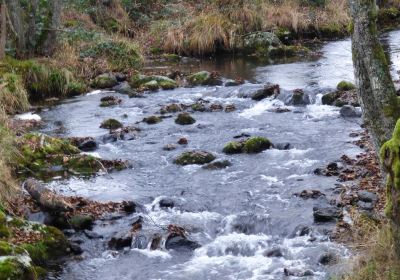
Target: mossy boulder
x=199, y=107
x=341, y=98
x=252, y=145
x=204, y=78
x=233, y=148
x=152, y=86
x=185, y=119
x=111, y=124
x=194, y=157
x=17, y=268
x=103, y=81
x=345, y=86
x=260, y=42
x=256, y=145
x=152, y=120
x=81, y=222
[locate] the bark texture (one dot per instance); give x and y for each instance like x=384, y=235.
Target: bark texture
x=375, y=87
x=50, y=42
x=3, y=29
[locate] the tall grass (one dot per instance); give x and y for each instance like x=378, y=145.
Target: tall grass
x=13, y=96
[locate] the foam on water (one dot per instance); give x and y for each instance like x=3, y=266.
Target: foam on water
x=28, y=116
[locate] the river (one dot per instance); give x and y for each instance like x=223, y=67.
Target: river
x=238, y=213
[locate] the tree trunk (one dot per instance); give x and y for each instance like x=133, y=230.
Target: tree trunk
x=17, y=21
x=3, y=29
x=31, y=34
x=375, y=87
x=55, y=21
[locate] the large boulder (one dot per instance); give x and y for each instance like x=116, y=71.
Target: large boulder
x=204, y=78
x=341, y=98
x=107, y=80
x=326, y=214
x=152, y=82
x=260, y=42
x=194, y=157
x=253, y=145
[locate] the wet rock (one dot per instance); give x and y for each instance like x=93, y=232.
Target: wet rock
x=108, y=101
x=345, y=86
x=297, y=272
x=307, y=194
x=185, y=119
x=136, y=94
x=205, y=78
x=123, y=88
x=155, y=242
x=283, y=146
x=169, y=147
x=75, y=248
x=367, y=196
x=125, y=133
x=180, y=243
x=249, y=223
x=199, y=107
x=129, y=206
x=331, y=170
x=301, y=230
x=243, y=135
x=217, y=165
x=140, y=242
x=194, y=157
x=267, y=91
x=348, y=111
x=120, y=240
x=230, y=108
x=92, y=235
x=111, y=124
x=234, y=83
x=326, y=214
x=81, y=222
x=341, y=98
x=107, y=80
x=260, y=42
x=152, y=120
x=183, y=141
x=281, y=110
x=152, y=82
x=216, y=107
x=273, y=253
x=166, y=203
x=85, y=144
x=121, y=77
x=299, y=98
x=252, y=145
x=171, y=108
x=328, y=258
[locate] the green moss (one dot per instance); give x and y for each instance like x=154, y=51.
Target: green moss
x=81, y=222
x=12, y=268
x=76, y=88
x=6, y=249
x=194, y=157
x=104, y=81
x=199, y=78
x=38, y=252
x=256, y=145
x=233, y=148
x=111, y=124
x=167, y=85
x=330, y=98
x=152, y=86
x=185, y=119
x=199, y=107
x=345, y=86
x=152, y=120
x=4, y=231
x=171, y=108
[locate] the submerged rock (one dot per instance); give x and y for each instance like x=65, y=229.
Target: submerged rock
x=348, y=111
x=166, y=203
x=194, y=157
x=107, y=80
x=120, y=240
x=217, y=165
x=169, y=147
x=307, y=194
x=326, y=214
x=171, y=108
x=297, y=272
x=205, y=78
x=185, y=119
x=299, y=98
x=108, y=101
x=180, y=243
x=183, y=141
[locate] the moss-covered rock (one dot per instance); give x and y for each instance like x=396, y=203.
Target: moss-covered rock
x=152, y=120
x=199, y=107
x=194, y=157
x=185, y=119
x=111, y=124
x=256, y=145
x=16, y=268
x=252, y=145
x=142, y=82
x=152, y=86
x=81, y=222
x=233, y=148
x=103, y=81
x=260, y=42
x=171, y=108
x=204, y=78
x=345, y=86
x=341, y=98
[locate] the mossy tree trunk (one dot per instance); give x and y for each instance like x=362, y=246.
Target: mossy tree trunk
x=378, y=100
x=3, y=29
x=17, y=22
x=375, y=87
x=50, y=42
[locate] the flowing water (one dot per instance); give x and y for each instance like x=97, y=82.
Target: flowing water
x=236, y=214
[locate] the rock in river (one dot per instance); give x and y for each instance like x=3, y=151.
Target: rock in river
x=185, y=119
x=194, y=157
x=326, y=214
